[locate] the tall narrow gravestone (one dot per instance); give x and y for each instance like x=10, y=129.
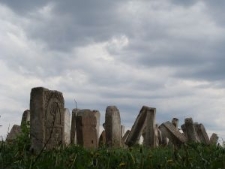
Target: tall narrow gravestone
x=113, y=127
x=67, y=126
x=25, y=117
x=73, y=134
x=190, y=130
x=46, y=118
x=86, y=125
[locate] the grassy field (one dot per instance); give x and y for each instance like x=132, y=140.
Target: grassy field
x=17, y=156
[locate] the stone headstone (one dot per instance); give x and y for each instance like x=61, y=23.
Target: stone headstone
x=97, y=115
x=67, y=126
x=86, y=125
x=190, y=130
x=184, y=130
x=113, y=127
x=124, y=138
x=151, y=136
x=14, y=133
x=25, y=117
x=46, y=118
x=137, y=127
x=202, y=134
x=122, y=130
x=73, y=135
x=169, y=131
x=214, y=139
x=175, y=122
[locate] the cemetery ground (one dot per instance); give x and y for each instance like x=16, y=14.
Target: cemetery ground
x=17, y=155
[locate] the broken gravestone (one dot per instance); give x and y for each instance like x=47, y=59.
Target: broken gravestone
x=113, y=127
x=25, y=118
x=46, y=118
x=86, y=125
x=175, y=122
x=202, y=134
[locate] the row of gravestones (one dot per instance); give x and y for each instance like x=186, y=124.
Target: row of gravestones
x=50, y=126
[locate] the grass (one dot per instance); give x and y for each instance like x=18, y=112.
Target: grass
x=16, y=155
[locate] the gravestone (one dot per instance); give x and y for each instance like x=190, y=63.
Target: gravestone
x=184, y=130
x=46, y=118
x=202, y=134
x=151, y=136
x=86, y=125
x=25, y=117
x=73, y=135
x=113, y=127
x=67, y=126
x=169, y=131
x=214, y=139
x=190, y=130
x=122, y=130
x=175, y=122
x=102, y=139
x=14, y=133
x=137, y=127
x=124, y=138
x=97, y=115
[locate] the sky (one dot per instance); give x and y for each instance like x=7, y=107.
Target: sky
x=167, y=54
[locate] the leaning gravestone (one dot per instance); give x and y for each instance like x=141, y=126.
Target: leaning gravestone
x=46, y=118
x=202, y=134
x=175, y=122
x=214, y=139
x=73, y=135
x=86, y=125
x=113, y=127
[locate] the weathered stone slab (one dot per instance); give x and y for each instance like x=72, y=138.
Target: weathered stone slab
x=14, y=132
x=151, y=137
x=67, y=126
x=122, y=130
x=214, y=139
x=25, y=117
x=169, y=131
x=137, y=127
x=86, y=123
x=202, y=134
x=175, y=122
x=46, y=118
x=73, y=135
x=97, y=115
x=113, y=127
x=190, y=130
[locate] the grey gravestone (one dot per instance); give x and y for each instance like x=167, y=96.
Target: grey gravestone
x=122, y=130
x=97, y=115
x=14, y=133
x=151, y=136
x=214, y=139
x=25, y=117
x=113, y=127
x=202, y=134
x=137, y=127
x=184, y=130
x=170, y=131
x=124, y=138
x=86, y=125
x=190, y=130
x=67, y=126
x=73, y=135
x=102, y=139
x=46, y=118
x=175, y=122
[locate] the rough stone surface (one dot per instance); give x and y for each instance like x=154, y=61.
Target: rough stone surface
x=73, y=135
x=86, y=123
x=46, y=118
x=14, y=132
x=67, y=126
x=97, y=115
x=122, y=130
x=169, y=131
x=25, y=117
x=151, y=136
x=137, y=128
x=190, y=130
x=202, y=134
x=113, y=127
x=184, y=130
x=214, y=139
x=124, y=138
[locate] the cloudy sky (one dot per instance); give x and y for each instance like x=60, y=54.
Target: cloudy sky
x=167, y=54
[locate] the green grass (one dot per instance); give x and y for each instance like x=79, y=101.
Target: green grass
x=17, y=156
